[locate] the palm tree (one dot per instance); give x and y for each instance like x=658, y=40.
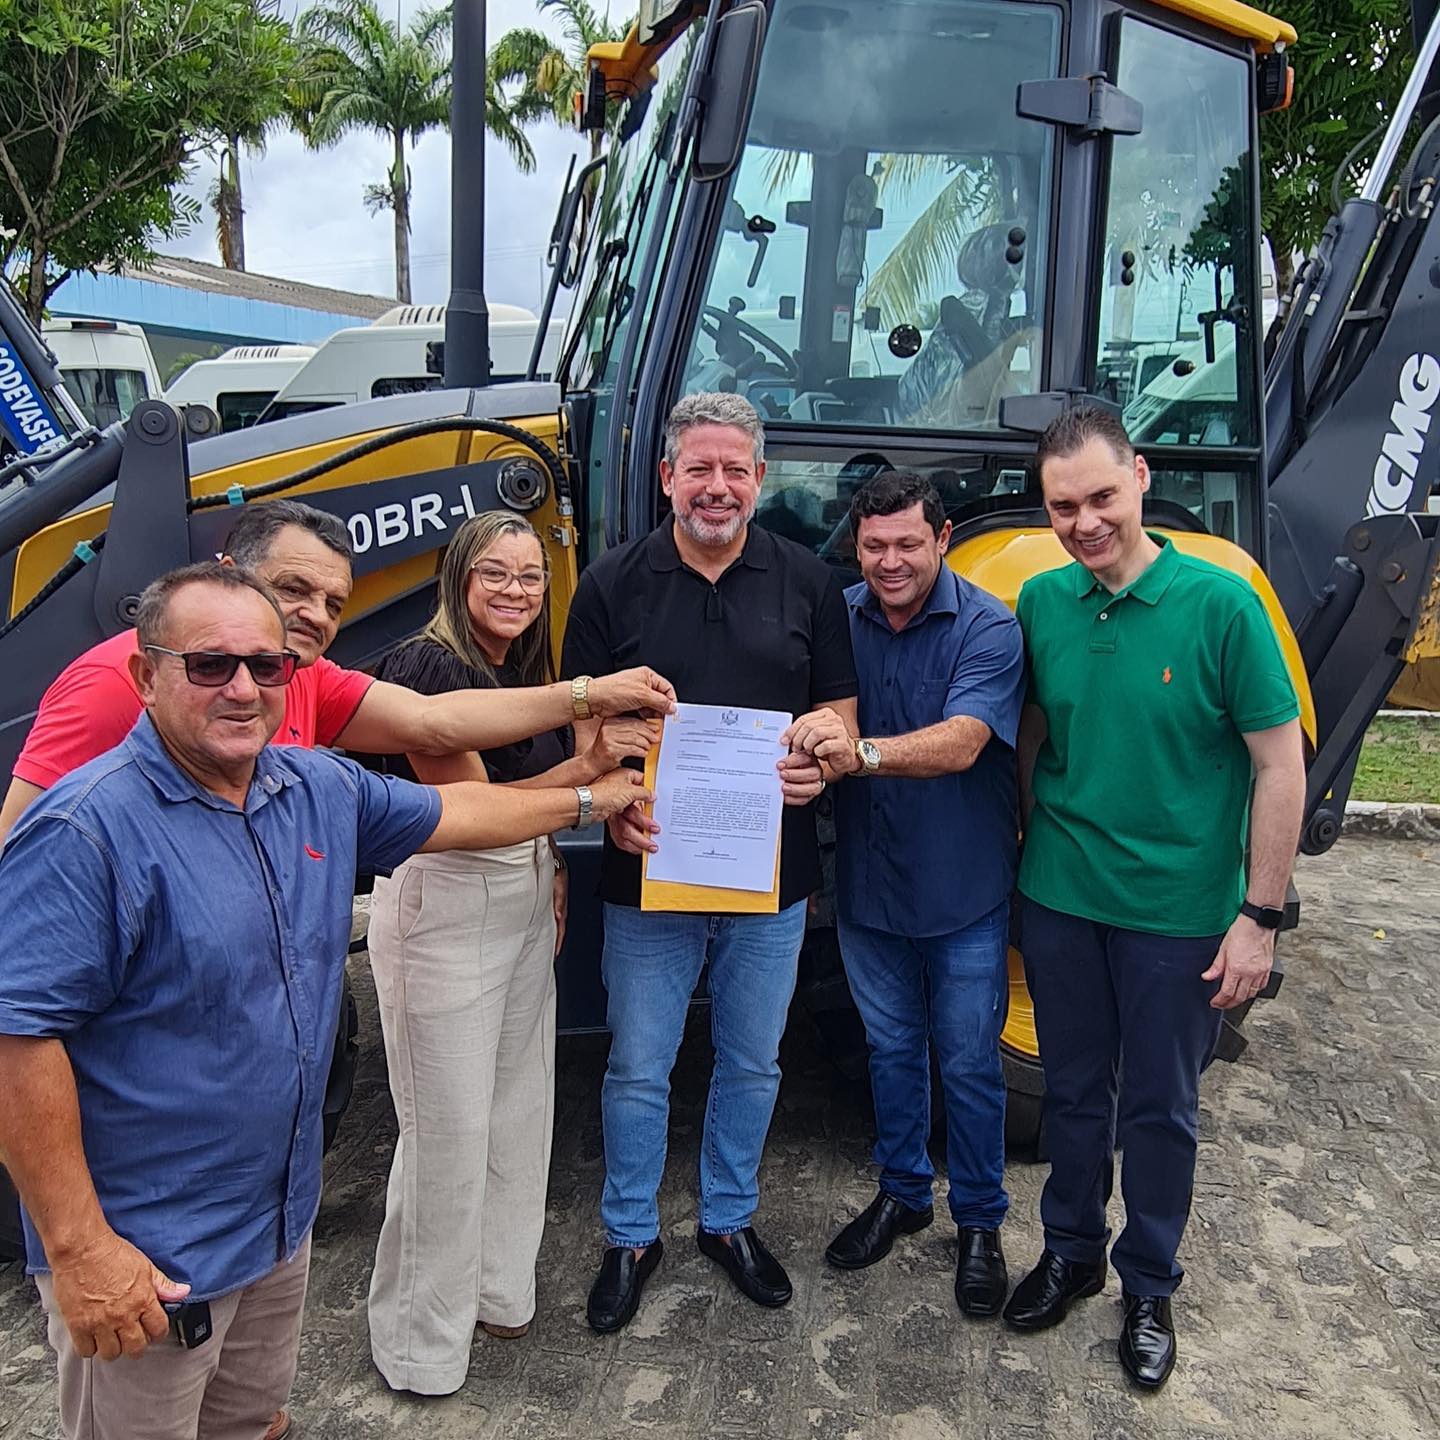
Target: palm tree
x=550, y=73
x=922, y=262
x=225, y=196
x=359, y=71
x=252, y=116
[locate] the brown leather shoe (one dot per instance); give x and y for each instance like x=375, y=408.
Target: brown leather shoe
x=505, y=1332
x=279, y=1426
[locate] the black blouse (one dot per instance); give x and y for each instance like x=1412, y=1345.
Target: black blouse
x=430, y=668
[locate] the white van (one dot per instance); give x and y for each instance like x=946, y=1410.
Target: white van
x=239, y=384
x=106, y=365
x=393, y=356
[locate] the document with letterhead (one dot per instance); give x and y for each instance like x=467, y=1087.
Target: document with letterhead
x=718, y=799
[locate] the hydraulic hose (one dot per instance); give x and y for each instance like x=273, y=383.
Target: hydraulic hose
x=86, y=551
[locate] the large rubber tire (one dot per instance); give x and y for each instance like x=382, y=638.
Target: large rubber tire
x=12, y=1240
x=340, y=1083
x=1024, y=1107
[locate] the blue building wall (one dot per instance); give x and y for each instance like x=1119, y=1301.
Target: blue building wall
x=196, y=314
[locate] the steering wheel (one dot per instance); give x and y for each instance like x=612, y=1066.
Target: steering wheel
x=856, y=471
x=712, y=319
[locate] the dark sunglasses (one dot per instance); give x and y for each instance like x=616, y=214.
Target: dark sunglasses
x=214, y=668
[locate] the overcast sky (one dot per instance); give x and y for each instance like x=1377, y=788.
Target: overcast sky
x=305, y=218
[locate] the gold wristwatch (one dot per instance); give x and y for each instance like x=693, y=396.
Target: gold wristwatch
x=580, y=697
x=868, y=753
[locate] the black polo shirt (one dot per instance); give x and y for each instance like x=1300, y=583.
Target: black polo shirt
x=772, y=633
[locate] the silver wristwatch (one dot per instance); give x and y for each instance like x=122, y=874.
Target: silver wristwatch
x=587, y=800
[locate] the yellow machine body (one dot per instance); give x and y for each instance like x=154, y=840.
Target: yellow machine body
x=44, y=553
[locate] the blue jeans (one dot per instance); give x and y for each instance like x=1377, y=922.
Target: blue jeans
x=950, y=991
x=651, y=964
x=1125, y=1027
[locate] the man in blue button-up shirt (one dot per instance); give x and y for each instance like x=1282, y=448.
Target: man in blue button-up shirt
x=924, y=869
x=175, y=922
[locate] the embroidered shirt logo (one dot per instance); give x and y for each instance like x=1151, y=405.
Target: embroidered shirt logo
x=1165, y=676
x=313, y=853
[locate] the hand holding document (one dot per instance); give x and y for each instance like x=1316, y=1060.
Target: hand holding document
x=718, y=798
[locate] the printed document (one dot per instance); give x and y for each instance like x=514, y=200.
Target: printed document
x=717, y=797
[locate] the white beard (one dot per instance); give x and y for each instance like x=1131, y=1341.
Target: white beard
x=710, y=533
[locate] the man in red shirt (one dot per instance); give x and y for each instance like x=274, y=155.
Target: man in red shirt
x=303, y=556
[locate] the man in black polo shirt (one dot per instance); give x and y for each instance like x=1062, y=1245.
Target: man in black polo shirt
x=734, y=616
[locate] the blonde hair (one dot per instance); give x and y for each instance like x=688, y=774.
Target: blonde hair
x=451, y=626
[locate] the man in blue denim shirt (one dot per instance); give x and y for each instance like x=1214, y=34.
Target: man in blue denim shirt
x=925, y=864
x=176, y=922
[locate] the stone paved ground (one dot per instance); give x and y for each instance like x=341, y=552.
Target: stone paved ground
x=1310, y=1309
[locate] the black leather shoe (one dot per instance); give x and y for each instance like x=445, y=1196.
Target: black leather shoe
x=1147, y=1341
x=1042, y=1298
x=869, y=1236
x=755, y=1271
x=980, y=1277
x=616, y=1292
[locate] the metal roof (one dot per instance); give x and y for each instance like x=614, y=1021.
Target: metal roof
x=246, y=285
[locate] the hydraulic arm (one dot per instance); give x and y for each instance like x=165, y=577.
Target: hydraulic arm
x=1350, y=393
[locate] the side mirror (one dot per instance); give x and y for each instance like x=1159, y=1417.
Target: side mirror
x=729, y=90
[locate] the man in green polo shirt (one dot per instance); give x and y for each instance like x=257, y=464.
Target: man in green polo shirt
x=1157, y=693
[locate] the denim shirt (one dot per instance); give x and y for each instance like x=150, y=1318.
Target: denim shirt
x=928, y=857
x=189, y=954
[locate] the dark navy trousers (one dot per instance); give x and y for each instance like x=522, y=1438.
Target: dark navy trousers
x=1125, y=1027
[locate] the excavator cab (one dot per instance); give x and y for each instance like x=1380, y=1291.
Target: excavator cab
x=933, y=223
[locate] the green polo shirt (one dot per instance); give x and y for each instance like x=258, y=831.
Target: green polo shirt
x=1142, y=789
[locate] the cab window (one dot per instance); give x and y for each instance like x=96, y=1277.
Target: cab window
x=105, y=396
x=1176, y=347
x=883, y=262
x=241, y=408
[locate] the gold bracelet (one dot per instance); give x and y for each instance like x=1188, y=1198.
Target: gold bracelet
x=580, y=697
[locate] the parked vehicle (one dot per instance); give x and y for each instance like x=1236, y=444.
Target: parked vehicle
x=403, y=352
x=239, y=384
x=106, y=365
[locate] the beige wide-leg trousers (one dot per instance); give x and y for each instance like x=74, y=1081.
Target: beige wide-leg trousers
x=462, y=946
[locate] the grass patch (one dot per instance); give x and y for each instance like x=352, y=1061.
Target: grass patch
x=1400, y=761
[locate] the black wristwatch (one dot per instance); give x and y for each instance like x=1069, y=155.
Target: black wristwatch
x=1265, y=916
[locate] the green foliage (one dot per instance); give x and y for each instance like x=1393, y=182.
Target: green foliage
x=540, y=77
x=103, y=106
x=1226, y=215
x=1351, y=62
x=1400, y=761
x=922, y=264
x=358, y=71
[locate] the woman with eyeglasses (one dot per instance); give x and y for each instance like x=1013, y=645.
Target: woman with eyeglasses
x=463, y=949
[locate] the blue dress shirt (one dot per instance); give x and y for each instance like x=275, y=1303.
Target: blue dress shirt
x=190, y=956
x=928, y=857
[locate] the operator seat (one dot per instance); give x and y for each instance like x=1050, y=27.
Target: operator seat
x=973, y=326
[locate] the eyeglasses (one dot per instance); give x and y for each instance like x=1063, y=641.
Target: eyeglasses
x=214, y=668
x=496, y=578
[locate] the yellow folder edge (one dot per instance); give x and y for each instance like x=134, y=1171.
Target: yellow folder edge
x=675, y=895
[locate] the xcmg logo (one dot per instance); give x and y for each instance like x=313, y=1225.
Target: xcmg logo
x=1399, y=457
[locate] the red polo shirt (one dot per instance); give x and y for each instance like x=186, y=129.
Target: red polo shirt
x=93, y=705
